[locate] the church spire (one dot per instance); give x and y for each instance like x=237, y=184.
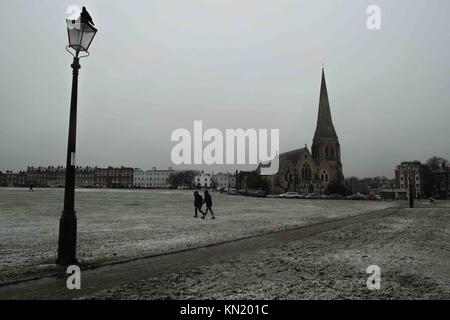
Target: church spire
x=324, y=128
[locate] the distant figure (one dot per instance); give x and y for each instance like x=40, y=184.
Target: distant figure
x=208, y=202
x=431, y=199
x=198, y=202
x=86, y=17
x=31, y=187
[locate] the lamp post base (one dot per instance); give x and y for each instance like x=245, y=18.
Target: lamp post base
x=67, y=240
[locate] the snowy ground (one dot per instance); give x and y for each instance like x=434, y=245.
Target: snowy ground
x=411, y=247
x=118, y=225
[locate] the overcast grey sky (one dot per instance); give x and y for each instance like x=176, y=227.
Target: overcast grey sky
x=159, y=65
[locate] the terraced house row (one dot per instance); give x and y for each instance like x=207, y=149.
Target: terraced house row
x=86, y=177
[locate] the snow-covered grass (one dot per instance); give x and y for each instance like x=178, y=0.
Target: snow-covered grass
x=116, y=225
x=410, y=247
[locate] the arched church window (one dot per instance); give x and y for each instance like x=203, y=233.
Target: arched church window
x=306, y=171
x=324, y=176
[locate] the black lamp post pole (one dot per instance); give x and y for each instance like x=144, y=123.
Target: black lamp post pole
x=68, y=223
x=446, y=181
x=411, y=198
x=246, y=187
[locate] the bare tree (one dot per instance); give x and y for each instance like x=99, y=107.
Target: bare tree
x=182, y=178
x=435, y=165
x=295, y=180
x=281, y=178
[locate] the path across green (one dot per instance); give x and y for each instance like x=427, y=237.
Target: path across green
x=110, y=276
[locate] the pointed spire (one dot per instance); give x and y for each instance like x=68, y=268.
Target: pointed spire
x=324, y=128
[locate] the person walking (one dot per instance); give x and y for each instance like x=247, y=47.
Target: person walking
x=198, y=202
x=208, y=202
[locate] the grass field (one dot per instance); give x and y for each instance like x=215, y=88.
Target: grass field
x=410, y=247
x=117, y=225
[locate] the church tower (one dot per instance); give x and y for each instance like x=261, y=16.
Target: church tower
x=325, y=142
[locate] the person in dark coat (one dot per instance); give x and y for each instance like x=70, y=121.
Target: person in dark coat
x=198, y=202
x=208, y=202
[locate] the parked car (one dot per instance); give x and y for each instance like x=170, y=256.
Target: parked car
x=372, y=197
x=358, y=196
x=313, y=196
x=232, y=191
x=289, y=195
x=242, y=192
x=222, y=190
x=324, y=196
x=336, y=196
x=257, y=193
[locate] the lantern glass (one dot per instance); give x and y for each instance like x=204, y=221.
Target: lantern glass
x=80, y=35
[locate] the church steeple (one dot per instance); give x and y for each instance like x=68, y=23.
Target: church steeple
x=326, y=150
x=324, y=128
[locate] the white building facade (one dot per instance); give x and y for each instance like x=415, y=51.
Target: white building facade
x=158, y=179
x=411, y=173
x=203, y=180
x=224, y=180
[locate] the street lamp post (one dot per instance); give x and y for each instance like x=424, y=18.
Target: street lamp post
x=411, y=198
x=446, y=181
x=444, y=172
x=246, y=186
x=81, y=33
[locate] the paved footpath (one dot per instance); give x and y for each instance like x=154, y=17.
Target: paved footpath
x=110, y=276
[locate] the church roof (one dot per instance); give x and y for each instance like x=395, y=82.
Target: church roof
x=294, y=155
x=324, y=128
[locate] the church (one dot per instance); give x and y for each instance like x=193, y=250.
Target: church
x=312, y=171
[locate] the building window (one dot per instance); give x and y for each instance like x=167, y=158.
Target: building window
x=324, y=176
x=306, y=171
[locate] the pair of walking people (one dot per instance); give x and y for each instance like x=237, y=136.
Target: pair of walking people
x=198, y=203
